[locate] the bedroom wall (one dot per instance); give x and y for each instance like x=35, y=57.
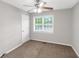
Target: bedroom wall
x=75, y=40
x=10, y=27
x=62, y=28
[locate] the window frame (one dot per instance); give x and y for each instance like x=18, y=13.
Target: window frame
x=43, y=29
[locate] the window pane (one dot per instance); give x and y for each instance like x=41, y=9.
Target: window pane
x=48, y=20
x=38, y=20
x=47, y=27
x=38, y=27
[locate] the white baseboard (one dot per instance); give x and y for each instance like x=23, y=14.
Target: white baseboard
x=52, y=42
x=1, y=55
x=75, y=51
x=15, y=47
x=11, y=49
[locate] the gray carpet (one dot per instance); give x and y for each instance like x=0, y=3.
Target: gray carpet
x=37, y=49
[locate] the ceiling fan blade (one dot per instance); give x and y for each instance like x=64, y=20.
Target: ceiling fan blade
x=50, y=8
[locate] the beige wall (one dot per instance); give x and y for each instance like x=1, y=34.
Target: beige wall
x=62, y=28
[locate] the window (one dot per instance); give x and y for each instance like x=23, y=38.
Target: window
x=44, y=23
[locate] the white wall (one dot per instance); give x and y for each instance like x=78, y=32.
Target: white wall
x=10, y=27
x=76, y=28
x=62, y=28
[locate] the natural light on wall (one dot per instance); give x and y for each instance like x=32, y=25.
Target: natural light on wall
x=44, y=23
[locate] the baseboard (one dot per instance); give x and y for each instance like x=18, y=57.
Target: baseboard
x=10, y=50
x=1, y=55
x=52, y=42
x=15, y=47
x=75, y=51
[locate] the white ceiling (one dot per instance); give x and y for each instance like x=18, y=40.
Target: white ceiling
x=56, y=4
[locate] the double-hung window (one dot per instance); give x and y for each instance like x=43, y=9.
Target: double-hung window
x=44, y=23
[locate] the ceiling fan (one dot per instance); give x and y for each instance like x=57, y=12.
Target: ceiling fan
x=39, y=7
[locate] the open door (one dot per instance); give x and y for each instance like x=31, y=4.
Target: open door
x=25, y=28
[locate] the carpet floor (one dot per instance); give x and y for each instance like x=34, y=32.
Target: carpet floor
x=37, y=49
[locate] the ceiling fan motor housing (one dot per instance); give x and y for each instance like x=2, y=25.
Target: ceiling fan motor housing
x=38, y=1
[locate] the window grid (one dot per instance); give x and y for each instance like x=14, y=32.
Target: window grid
x=46, y=25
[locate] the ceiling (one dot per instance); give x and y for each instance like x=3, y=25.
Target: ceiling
x=56, y=4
